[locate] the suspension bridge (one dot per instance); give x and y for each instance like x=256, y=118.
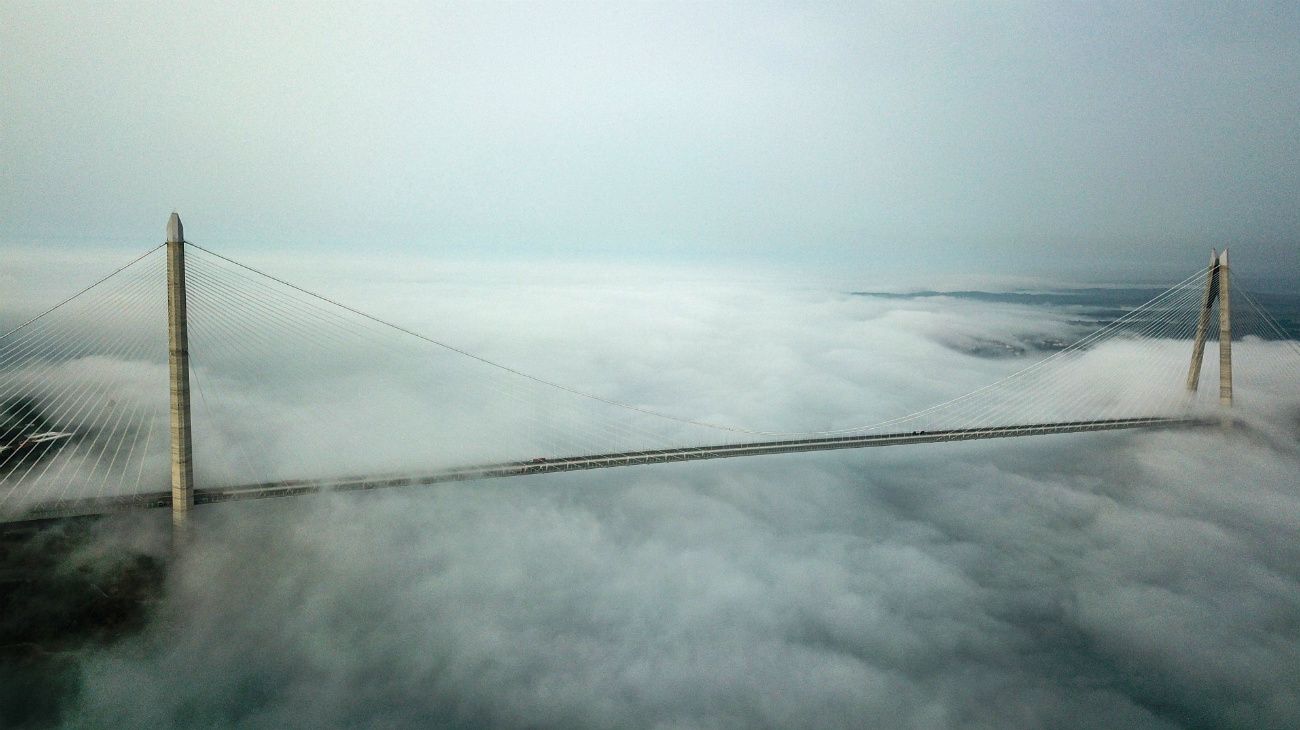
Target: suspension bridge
x=254, y=387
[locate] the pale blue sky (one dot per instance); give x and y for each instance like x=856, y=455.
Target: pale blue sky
x=911, y=137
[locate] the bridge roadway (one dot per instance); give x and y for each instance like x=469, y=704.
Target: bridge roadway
x=295, y=487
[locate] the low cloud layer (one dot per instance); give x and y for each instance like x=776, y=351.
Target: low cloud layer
x=1102, y=580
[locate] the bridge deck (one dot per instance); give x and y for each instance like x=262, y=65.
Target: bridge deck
x=289, y=488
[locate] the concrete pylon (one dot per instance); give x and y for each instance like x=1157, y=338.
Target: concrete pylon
x=178, y=361
x=1225, y=333
x=1216, y=289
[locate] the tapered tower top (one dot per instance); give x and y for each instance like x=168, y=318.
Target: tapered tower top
x=175, y=233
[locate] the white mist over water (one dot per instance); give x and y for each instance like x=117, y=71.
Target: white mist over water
x=1102, y=580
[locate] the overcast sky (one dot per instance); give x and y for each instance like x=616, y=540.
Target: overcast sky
x=916, y=137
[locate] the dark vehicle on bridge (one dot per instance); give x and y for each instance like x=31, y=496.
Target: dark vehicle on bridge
x=26, y=434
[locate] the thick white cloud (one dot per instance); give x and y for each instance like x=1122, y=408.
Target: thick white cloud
x=1103, y=580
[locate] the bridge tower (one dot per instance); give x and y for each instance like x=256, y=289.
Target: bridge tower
x=1216, y=288
x=178, y=361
